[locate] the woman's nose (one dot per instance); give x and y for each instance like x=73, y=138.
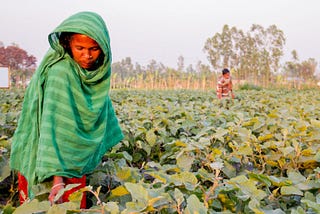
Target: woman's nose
x=87, y=54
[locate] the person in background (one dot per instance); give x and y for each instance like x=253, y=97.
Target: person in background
x=224, y=85
x=67, y=122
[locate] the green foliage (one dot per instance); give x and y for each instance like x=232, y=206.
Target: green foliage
x=188, y=152
x=249, y=86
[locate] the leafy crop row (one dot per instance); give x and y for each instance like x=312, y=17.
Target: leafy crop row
x=187, y=152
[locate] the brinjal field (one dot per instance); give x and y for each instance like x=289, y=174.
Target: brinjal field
x=185, y=151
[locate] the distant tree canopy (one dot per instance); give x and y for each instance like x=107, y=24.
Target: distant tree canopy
x=300, y=71
x=253, y=57
x=21, y=64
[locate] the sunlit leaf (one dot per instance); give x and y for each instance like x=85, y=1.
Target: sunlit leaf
x=185, y=161
x=151, y=137
x=313, y=205
x=138, y=192
x=178, y=196
x=194, y=206
x=296, y=177
x=315, y=123
x=180, y=143
x=112, y=207
x=216, y=165
x=159, y=176
x=254, y=205
x=290, y=190
x=33, y=206
x=245, y=150
x=119, y=191
x=265, y=137
x=263, y=178
x=124, y=174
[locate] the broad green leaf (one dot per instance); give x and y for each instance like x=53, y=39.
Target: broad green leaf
x=185, y=161
x=254, y=205
x=296, y=177
x=67, y=188
x=119, y=191
x=127, y=156
x=239, y=179
x=153, y=201
x=290, y=190
x=185, y=178
x=249, y=187
x=124, y=174
x=311, y=204
x=151, y=137
x=34, y=206
x=229, y=170
x=145, y=146
x=159, y=176
x=245, y=150
x=287, y=150
x=57, y=209
x=138, y=192
x=194, y=206
x=76, y=197
x=275, y=211
x=220, y=134
x=8, y=208
x=315, y=123
x=280, y=181
x=64, y=207
x=134, y=207
x=216, y=165
x=180, y=143
x=205, y=175
x=299, y=210
x=244, y=134
x=317, y=156
x=178, y=196
x=259, y=177
x=265, y=137
x=259, y=124
x=112, y=207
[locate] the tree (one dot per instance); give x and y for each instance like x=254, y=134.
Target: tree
x=308, y=69
x=219, y=48
x=253, y=54
x=21, y=64
x=180, y=63
x=269, y=43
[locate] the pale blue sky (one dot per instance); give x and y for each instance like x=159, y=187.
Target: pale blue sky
x=163, y=29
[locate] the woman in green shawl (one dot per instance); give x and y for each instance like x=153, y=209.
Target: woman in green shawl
x=67, y=121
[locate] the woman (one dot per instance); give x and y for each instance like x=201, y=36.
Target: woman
x=67, y=121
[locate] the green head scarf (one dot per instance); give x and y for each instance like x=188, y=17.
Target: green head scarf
x=67, y=121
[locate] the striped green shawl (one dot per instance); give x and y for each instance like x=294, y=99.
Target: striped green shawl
x=67, y=121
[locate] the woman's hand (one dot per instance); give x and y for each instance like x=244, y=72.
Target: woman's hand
x=57, y=185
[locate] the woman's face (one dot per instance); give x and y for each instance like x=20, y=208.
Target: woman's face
x=85, y=51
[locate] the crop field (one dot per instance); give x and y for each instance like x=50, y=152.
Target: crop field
x=185, y=151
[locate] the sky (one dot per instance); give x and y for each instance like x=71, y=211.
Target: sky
x=163, y=30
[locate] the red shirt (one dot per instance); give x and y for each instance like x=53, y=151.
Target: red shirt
x=224, y=86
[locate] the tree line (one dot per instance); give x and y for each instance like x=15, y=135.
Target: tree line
x=254, y=57
x=21, y=64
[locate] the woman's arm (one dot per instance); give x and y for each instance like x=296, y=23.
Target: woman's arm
x=57, y=185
